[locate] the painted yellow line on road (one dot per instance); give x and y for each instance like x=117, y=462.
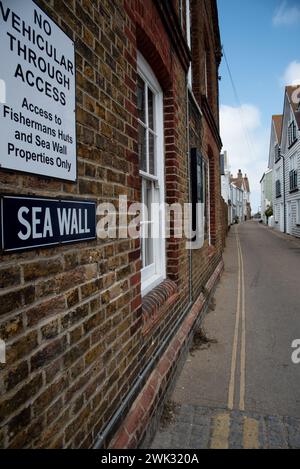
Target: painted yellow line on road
x=236, y=333
x=250, y=433
x=243, y=337
x=220, y=433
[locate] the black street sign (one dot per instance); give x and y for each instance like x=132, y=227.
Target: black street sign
x=35, y=222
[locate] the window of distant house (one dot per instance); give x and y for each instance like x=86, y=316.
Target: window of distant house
x=277, y=152
x=278, y=183
x=151, y=159
x=293, y=172
x=292, y=133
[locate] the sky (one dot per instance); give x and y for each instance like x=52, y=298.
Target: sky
x=261, y=40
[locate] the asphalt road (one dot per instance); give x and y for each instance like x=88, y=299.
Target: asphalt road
x=243, y=390
x=272, y=300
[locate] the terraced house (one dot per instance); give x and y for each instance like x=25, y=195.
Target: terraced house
x=284, y=160
x=276, y=164
x=102, y=99
x=290, y=148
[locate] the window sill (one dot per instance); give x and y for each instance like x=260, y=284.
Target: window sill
x=294, y=190
x=151, y=283
x=157, y=302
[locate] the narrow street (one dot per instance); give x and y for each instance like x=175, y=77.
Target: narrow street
x=242, y=390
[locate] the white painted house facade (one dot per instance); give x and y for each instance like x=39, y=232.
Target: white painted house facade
x=225, y=185
x=290, y=148
x=237, y=207
x=266, y=184
x=276, y=165
x=284, y=161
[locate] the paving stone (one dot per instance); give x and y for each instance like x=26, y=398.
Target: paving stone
x=186, y=414
x=293, y=429
x=236, y=430
x=192, y=429
x=162, y=440
x=277, y=434
x=200, y=436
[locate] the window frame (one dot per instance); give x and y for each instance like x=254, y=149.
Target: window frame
x=292, y=133
x=155, y=273
x=278, y=188
x=293, y=174
x=277, y=152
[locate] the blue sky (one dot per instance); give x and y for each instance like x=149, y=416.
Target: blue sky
x=261, y=39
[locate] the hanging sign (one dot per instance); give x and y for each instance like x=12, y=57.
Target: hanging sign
x=37, y=93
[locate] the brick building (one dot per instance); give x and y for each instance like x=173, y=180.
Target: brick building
x=96, y=331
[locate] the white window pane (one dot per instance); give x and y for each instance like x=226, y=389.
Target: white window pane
x=148, y=251
x=147, y=241
x=142, y=148
x=149, y=258
x=151, y=109
x=152, y=154
x=141, y=99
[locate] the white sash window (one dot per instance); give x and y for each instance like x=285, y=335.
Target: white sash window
x=151, y=158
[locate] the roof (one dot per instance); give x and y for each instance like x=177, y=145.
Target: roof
x=238, y=182
x=235, y=185
x=294, y=99
x=277, y=120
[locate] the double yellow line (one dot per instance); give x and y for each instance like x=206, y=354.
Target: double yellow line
x=240, y=329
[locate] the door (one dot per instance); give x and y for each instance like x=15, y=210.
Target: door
x=281, y=217
x=289, y=218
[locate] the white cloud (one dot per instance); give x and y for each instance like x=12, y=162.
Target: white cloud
x=247, y=144
x=291, y=75
x=286, y=14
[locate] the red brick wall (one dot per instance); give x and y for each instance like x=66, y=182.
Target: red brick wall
x=71, y=315
x=77, y=331
x=204, y=135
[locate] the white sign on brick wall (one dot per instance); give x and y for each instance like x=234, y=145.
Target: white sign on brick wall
x=37, y=93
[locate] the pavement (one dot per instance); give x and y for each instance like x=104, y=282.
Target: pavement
x=241, y=389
